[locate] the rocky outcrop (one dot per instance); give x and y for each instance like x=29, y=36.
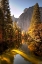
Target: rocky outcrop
x=14, y=19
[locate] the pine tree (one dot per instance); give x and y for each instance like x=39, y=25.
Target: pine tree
x=36, y=15
x=1, y=17
x=35, y=20
x=6, y=11
x=35, y=31
x=1, y=23
x=7, y=19
x=17, y=34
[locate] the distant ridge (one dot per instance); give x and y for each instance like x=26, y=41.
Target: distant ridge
x=14, y=19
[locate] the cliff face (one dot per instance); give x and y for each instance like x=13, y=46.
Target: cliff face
x=25, y=18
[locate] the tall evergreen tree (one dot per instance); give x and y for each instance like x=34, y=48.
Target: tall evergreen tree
x=7, y=19
x=36, y=15
x=1, y=23
x=6, y=11
x=35, y=31
x=1, y=17
x=35, y=20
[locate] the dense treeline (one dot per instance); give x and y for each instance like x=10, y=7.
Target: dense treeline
x=35, y=31
x=9, y=37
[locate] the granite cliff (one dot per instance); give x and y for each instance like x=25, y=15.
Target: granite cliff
x=25, y=18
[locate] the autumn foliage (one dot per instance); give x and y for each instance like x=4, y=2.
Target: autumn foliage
x=35, y=31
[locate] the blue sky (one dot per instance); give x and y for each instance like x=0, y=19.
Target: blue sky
x=17, y=6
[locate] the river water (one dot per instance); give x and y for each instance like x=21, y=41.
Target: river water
x=18, y=59
x=14, y=58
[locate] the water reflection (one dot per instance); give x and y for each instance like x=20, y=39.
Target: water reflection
x=24, y=47
x=13, y=58
x=20, y=60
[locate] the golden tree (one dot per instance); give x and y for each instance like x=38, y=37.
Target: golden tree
x=35, y=31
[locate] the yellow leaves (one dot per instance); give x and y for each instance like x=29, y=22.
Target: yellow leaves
x=16, y=32
x=31, y=47
x=5, y=59
x=36, y=32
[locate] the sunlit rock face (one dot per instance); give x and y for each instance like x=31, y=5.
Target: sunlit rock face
x=25, y=18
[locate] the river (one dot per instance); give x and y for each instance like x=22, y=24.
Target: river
x=16, y=58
